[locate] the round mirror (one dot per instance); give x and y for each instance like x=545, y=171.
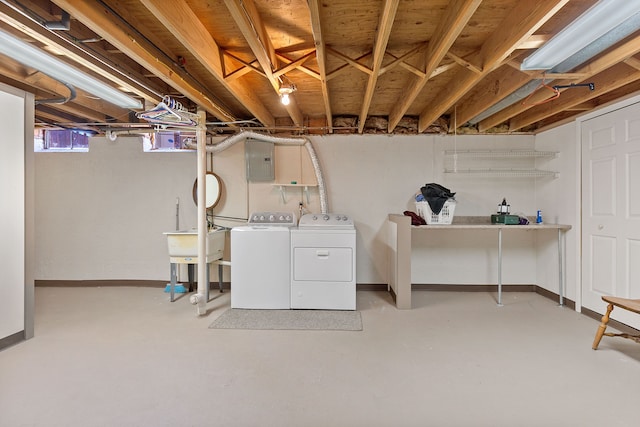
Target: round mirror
x=213, y=189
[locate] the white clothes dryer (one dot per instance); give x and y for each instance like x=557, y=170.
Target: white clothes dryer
x=261, y=260
x=323, y=263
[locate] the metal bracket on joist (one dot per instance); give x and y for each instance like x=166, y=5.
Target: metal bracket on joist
x=592, y=86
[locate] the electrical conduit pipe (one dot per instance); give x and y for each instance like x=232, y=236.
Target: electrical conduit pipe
x=199, y=299
x=306, y=142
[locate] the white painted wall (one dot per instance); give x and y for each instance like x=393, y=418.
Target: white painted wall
x=101, y=214
x=559, y=200
x=12, y=213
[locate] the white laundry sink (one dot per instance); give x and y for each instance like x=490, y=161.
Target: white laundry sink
x=185, y=243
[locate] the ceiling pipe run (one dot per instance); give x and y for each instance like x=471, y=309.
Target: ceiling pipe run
x=61, y=100
x=63, y=25
x=614, y=36
x=304, y=141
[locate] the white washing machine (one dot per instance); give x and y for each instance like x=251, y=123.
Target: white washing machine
x=261, y=261
x=323, y=263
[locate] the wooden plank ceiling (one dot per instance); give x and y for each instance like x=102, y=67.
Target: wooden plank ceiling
x=358, y=66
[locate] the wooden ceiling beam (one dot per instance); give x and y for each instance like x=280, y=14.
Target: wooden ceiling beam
x=492, y=89
x=400, y=61
x=300, y=66
x=77, y=111
x=53, y=117
x=343, y=68
x=534, y=41
x=77, y=55
x=449, y=28
x=620, y=53
x=184, y=24
x=101, y=20
x=382, y=38
x=516, y=28
x=246, y=68
x=52, y=88
x=353, y=62
x=292, y=65
x=611, y=79
x=464, y=63
x=248, y=20
x=321, y=58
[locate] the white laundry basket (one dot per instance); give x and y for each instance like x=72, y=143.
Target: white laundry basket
x=444, y=217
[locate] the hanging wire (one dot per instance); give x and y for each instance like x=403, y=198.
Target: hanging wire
x=455, y=138
x=542, y=85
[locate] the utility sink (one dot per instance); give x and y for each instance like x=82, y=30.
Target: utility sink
x=184, y=244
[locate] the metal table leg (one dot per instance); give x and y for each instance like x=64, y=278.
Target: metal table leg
x=208, y=283
x=500, y=267
x=560, y=268
x=174, y=279
x=190, y=275
x=220, y=277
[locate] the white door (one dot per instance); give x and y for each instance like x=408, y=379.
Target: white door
x=611, y=210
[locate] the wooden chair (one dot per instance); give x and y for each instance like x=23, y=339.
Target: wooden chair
x=624, y=303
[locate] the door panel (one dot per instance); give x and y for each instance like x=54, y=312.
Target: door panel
x=603, y=184
x=611, y=210
x=633, y=184
x=603, y=259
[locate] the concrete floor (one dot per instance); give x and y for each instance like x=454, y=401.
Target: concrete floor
x=127, y=357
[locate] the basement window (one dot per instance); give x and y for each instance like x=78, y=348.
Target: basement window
x=167, y=141
x=61, y=140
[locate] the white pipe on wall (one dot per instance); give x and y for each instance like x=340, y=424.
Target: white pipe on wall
x=306, y=142
x=201, y=137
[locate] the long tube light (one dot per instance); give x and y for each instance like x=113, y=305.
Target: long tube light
x=598, y=20
x=33, y=57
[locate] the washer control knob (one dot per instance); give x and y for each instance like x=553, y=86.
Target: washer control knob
x=337, y=217
x=288, y=218
x=261, y=217
x=272, y=218
x=344, y=218
x=325, y=217
x=314, y=217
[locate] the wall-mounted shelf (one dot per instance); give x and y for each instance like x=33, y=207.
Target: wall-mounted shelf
x=513, y=173
x=497, y=163
x=283, y=190
x=501, y=154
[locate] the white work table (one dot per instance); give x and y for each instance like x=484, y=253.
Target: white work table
x=400, y=230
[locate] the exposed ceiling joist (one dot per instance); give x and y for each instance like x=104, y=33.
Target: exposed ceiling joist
x=183, y=23
x=610, y=58
x=321, y=57
x=607, y=81
x=449, y=28
x=248, y=20
x=369, y=66
x=101, y=20
x=382, y=38
x=517, y=27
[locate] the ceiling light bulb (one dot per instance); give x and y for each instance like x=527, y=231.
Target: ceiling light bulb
x=284, y=98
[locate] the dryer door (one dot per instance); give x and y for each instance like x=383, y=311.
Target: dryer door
x=323, y=264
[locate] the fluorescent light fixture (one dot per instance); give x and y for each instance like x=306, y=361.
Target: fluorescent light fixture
x=33, y=57
x=598, y=20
